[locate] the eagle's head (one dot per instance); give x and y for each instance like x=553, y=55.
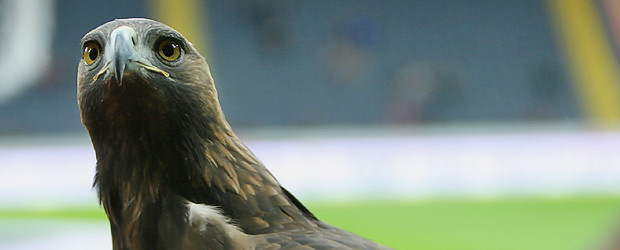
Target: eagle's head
x=139, y=74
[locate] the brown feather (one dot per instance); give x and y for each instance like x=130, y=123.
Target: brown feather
x=171, y=173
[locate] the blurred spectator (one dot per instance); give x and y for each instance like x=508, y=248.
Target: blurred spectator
x=351, y=54
x=612, y=11
x=545, y=86
x=270, y=26
x=420, y=94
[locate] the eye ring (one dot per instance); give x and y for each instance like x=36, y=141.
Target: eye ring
x=169, y=50
x=91, y=52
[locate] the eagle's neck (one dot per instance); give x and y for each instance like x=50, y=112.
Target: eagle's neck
x=137, y=169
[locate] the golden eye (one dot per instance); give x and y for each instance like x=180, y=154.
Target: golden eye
x=91, y=52
x=169, y=50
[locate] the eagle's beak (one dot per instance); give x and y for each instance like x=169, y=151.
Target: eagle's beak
x=124, y=57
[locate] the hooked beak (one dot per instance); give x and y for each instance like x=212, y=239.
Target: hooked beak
x=124, y=57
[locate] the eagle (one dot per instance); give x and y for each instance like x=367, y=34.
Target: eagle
x=170, y=172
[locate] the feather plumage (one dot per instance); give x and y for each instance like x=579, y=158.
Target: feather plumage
x=171, y=173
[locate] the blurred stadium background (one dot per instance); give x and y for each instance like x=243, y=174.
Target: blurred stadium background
x=432, y=124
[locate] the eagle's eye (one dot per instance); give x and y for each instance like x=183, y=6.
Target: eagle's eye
x=169, y=50
x=91, y=52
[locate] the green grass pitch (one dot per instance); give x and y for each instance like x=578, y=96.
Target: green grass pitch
x=528, y=223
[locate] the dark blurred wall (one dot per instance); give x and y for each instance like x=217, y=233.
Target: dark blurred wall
x=341, y=62
x=309, y=62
